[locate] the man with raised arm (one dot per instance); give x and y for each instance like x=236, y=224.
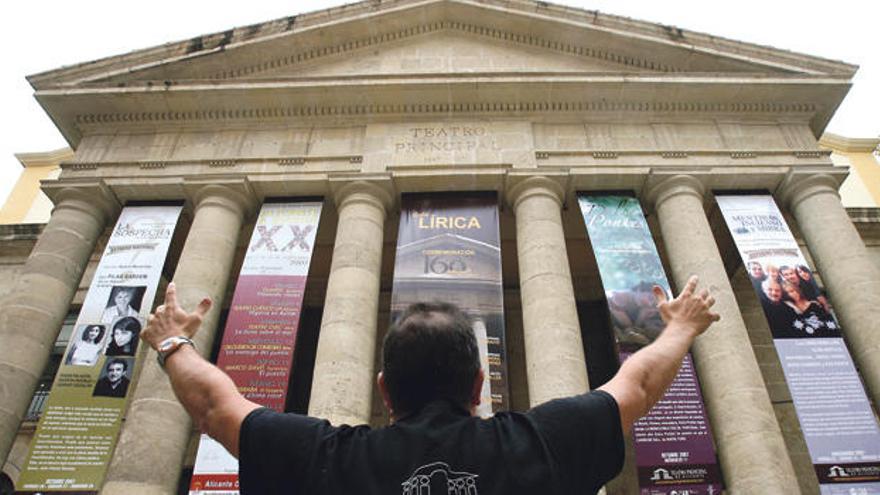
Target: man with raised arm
x=430, y=382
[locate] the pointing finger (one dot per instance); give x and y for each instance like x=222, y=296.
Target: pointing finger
x=171, y=296
x=690, y=286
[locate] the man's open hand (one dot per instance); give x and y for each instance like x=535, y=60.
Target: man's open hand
x=170, y=320
x=689, y=311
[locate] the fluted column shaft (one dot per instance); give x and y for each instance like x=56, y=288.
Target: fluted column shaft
x=852, y=280
x=555, y=363
x=344, y=362
x=32, y=314
x=153, y=441
x=750, y=446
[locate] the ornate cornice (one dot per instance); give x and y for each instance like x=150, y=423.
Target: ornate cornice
x=612, y=154
x=309, y=56
x=448, y=108
x=228, y=163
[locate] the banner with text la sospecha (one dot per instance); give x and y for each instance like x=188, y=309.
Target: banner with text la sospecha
x=449, y=249
x=673, y=442
x=258, y=343
x=77, y=431
x=839, y=427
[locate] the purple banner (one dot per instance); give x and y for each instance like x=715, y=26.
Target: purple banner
x=839, y=427
x=673, y=442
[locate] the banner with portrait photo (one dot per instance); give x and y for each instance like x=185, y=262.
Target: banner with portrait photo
x=449, y=250
x=673, y=442
x=77, y=431
x=260, y=337
x=840, y=429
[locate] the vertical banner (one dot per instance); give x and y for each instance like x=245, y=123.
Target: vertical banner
x=673, y=443
x=258, y=343
x=448, y=249
x=78, y=429
x=839, y=427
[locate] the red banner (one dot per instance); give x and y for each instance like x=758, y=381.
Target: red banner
x=258, y=344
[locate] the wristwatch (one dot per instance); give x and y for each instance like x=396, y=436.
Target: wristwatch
x=168, y=346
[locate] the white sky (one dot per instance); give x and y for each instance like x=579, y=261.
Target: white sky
x=39, y=36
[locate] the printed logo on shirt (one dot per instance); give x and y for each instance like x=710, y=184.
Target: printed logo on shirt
x=438, y=478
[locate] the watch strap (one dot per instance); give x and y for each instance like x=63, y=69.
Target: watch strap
x=169, y=346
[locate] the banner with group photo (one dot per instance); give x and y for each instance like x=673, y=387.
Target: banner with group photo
x=449, y=250
x=838, y=424
x=77, y=431
x=673, y=442
x=258, y=343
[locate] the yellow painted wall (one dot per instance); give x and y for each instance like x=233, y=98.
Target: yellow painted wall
x=862, y=187
x=26, y=203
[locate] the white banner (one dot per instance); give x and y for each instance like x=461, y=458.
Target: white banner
x=77, y=432
x=838, y=424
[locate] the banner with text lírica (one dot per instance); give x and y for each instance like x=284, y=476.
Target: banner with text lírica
x=258, y=343
x=840, y=429
x=449, y=249
x=77, y=431
x=673, y=442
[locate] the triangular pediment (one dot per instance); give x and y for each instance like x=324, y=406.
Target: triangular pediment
x=441, y=56
x=437, y=36
x=448, y=51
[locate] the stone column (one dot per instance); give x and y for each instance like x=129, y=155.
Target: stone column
x=344, y=362
x=154, y=437
x=555, y=363
x=852, y=280
x=32, y=314
x=750, y=446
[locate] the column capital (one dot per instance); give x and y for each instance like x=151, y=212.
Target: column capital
x=675, y=185
x=235, y=196
x=95, y=199
x=536, y=185
x=798, y=187
x=376, y=193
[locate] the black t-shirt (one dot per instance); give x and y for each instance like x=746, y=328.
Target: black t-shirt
x=565, y=446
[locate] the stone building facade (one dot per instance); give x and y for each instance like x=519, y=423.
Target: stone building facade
x=362, y=103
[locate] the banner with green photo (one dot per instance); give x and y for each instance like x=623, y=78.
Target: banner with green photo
x=77, y=432
x=673, y=442
x=449, y=249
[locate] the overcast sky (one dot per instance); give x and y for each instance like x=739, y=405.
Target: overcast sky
x=39, y=36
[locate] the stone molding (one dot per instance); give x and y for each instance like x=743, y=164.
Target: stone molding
x=236, y=196
x=484, y=31
x=233, y=162
x=256, y=182
x=611, y=154
x=673, y=186
x=377, y=193
x=95, y=198
x=536, y=185
x=264, y=114
x=798, y=187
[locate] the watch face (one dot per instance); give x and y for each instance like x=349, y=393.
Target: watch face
x=167, y=345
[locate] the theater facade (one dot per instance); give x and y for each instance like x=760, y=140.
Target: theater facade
x=443, y=149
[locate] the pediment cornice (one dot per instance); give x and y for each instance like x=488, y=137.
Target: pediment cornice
x=256, y=73
x=254, y=49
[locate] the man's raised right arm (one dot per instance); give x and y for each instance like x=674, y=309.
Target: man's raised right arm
x=644, y=377
x=206, y=392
